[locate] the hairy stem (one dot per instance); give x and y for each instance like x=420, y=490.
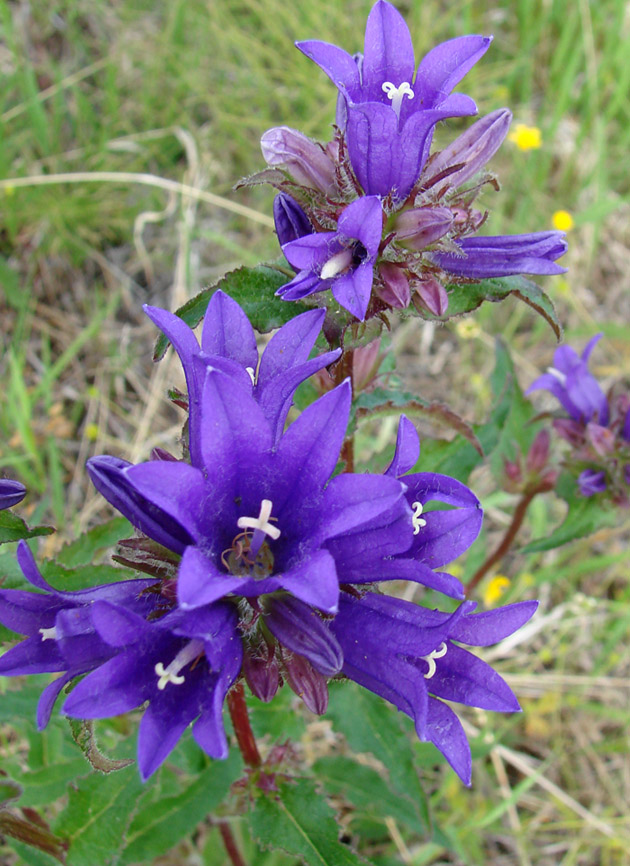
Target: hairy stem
x=230, y=845
x=510, y=534
x=242, y=728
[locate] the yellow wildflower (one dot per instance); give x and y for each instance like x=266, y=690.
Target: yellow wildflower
x=91, y=432
x=562, y=220
x=525, y=137
x=468, y=329
x=495, y=589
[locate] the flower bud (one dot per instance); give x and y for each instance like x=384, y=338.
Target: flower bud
x=290, y=220
x=306, y=682
x=299, y=628
x=420, y=227
x=395, y=290
x=601, y=438
x=430, y=294
x=306, y=162
x=538, y=453
x=365, y=363
x=260, y=667
x=473, y=148
x=570, y=430
x=514, y=475
x=592, y=481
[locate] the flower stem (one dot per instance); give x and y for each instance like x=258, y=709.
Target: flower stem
x=510, y=534
x=230, y=845
x=242, y=728
x=343, y=370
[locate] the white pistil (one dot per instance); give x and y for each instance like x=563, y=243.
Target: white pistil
x=438, y=653
x=416, y=519
x=262, y=521
x=252, y=374
x=557, y=375
x=170, y=674
x=397, y=94
x=336, y=264
x=48, y=633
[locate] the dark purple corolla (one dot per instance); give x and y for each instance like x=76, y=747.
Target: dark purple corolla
x=11, y=492
x=388, y=110
x=342, y=261
x=571, y=382
x=228, y=343
x=411, y=656
x=59, y=629
x=481, y=257
x=182, y=663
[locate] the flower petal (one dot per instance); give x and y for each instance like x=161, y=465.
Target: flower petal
x=445, y=731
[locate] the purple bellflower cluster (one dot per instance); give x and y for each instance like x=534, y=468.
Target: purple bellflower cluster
x=262, y=563
x=597, y=426
x=373, y=215
x=11, y=492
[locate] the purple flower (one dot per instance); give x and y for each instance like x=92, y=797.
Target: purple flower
x=342, y=261
x=60, y=633
x=182, y=664
x=228, y=343
x=591, y=482
x=11, y=492
x=388, y=114
x=411, y=656
x=570, y=382
x=305, y=161
x=290, y=220
x=503, y=255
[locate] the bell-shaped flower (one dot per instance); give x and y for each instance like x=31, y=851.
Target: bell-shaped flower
x=228, y=343
x=182, y=663
x=388, y=113
x=60, y=635
x=412, y=657
x=574, y=386
x=481, y=257
x=342, y=261
x=11, y=492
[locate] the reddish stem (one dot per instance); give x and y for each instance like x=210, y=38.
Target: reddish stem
x=510, y=534
x=343, y=370
x=242, y=728
x=230, y=845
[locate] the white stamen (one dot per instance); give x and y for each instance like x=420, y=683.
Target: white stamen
x=48, y=633
x=336, y=264
x=252, y=374
x=397, y=94
x=557, y=375
x=262, y=521
x=416, y=519
x=170, y=674
x=430, y=659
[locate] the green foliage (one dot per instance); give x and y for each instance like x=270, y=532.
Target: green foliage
x=13, y=528
x=298, y=820
x=254, y=289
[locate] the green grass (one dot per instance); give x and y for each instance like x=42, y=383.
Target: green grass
x=181, y=91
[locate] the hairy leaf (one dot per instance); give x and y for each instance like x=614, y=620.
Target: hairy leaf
x=13, y=528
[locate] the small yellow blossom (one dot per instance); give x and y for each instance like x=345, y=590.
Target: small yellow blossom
x=468, y=329
x=525, y=137
x=91, y=432
x=495, y=589
x=562, y=220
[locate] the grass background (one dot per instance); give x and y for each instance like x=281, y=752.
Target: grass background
x=159, y=107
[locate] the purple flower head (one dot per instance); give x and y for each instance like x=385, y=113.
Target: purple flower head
x=228, y=344
x=183, y=664
x=290, y=220
x=412, y=657
x=591, y=482
x=387, y=109
x=11, y=492
x=342, y=261
x=571, y=382
x=59, y=629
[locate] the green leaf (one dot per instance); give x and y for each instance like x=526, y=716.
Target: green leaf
x=84, y=549
x=254, y=289
x=370, y=724
x=9, y=790
x=84, y=576
x=466, y=298
x=13, y=528
x=97, y=816
x=585, y=515
x=366, y=789
x=47, y=784
x=299, y=821
x=159, y=825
